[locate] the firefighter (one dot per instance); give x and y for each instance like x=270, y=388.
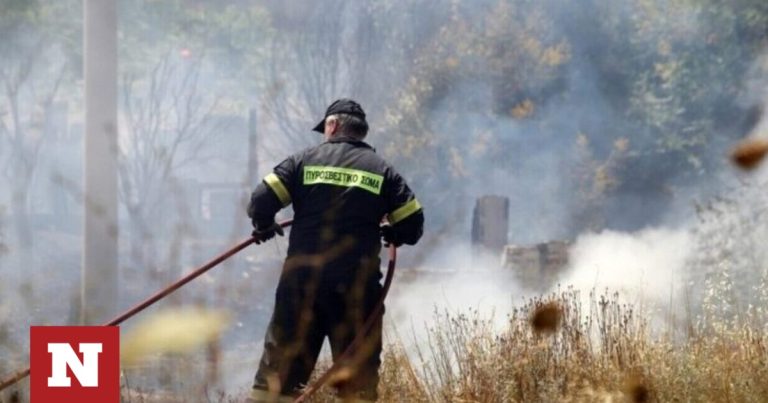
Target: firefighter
x=341, y=191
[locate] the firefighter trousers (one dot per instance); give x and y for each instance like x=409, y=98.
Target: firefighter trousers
x=313, y=303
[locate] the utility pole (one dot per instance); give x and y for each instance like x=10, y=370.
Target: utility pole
x=99, y=271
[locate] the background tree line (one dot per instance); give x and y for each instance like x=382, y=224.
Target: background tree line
x=588, y=115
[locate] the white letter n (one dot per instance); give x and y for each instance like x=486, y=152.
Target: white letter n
x=86, y=372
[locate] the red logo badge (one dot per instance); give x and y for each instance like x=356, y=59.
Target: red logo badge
x=74, y=364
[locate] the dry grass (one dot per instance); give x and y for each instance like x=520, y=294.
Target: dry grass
x=600, y=350
x=590, y=349
x=593, y=349
x=605, y=352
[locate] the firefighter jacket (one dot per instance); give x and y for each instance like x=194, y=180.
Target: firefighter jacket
x=340, y=191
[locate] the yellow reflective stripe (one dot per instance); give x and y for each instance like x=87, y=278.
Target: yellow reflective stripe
x=404, y=211
x=346, y=177
x=277, y=186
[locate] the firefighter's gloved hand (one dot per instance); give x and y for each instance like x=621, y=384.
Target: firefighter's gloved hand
x=269, y=232
x=389, y=235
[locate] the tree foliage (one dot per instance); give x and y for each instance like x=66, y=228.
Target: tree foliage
x=455, y=90
x=665, y=80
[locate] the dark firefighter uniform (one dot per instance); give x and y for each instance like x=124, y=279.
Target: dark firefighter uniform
x=330, y=283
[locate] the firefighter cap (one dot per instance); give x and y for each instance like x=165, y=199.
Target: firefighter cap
x=343, y=105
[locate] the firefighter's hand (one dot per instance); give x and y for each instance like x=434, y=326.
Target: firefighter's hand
x=389, y=235
x=269, y=232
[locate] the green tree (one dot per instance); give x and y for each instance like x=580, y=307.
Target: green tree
x=443, y=133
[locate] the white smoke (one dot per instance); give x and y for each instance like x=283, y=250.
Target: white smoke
x=453, y=279
x=645, y=267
